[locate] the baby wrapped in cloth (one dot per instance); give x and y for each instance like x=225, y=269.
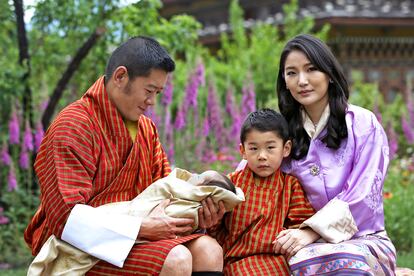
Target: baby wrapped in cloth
x=185, y=191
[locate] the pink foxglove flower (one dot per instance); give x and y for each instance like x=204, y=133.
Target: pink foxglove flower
x=28, y=138
x=14, y=129
x=12, y=181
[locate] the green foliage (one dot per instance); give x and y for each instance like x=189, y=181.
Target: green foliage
x=257, y=53
x=398, y=204
x=368, y=96
x=19, y=207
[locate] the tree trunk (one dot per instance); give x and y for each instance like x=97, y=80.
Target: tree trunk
x=24, y=60
x=67, y=75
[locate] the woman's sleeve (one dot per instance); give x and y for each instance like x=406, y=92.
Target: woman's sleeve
x=360, y=201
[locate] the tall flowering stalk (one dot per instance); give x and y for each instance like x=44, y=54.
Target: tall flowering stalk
x=11, y=179
x=169, y=137
x=410, y=108
x=24, y=159
x=195, y=81
x=168, y=92
x=28, y=137
x=151, y=113
x=234, y=113
x=14, y=129
x=248, y=99
x=189, y=103
x=215, y=117
x=408, y=131
x=3, y=218
x=393, y=138
x=39, y=133
x=4, y=155
x=180, y=120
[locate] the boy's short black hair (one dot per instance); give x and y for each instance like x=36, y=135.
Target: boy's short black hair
x=264, y=120
x=225, y=184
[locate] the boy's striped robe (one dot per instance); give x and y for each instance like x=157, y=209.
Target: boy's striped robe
x=271, y=204
x=88, y=157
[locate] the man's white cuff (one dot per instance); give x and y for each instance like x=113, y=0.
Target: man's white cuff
x=106, y=236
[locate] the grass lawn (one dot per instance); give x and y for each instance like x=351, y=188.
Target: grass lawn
x=406, y=260
x=13, y=272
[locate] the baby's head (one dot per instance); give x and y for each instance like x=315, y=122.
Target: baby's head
x=264, y=141
x=212, y=178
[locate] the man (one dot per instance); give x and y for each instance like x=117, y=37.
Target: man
x=102, y=149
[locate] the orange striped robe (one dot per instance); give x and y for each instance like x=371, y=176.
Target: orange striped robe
x=88, y=157
x=272, y=204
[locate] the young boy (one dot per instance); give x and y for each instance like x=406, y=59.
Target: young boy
x=273, y=200
x=185, y=192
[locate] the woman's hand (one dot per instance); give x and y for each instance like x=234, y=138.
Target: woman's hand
x=290, y=241
x=210, y=214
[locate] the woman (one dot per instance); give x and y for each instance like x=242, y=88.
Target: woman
x=340, y=156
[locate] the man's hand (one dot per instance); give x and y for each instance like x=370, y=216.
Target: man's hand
x=210, y=214
x=158, y=226
x=290, y=241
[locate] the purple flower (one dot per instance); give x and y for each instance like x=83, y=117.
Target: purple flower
x=235, y=128
x=248, y=99
x=191, y=91
x=168, y=92
x=28, y=137
x=200, y=73
x=14, y=129
x=3, y=218
x=169, y=137
x=233, y=111
x=393, y=141
x=230, y=102
x=4, y=155
x=209, y=156
x=408, y=131
x=180, y=119
x=151, y=113
x=43, y=105
x=206, y=127
x=39, y=133
x=215, y=117
x=24, y=159
x=12, y=180
x=410, y=108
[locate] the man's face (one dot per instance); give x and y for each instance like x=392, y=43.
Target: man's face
x=264, y=152
x=134, y=96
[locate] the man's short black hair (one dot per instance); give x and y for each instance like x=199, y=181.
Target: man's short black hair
x=139, y=55
x=225, y=184
x=265, y=120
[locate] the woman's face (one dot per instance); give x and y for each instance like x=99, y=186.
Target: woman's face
x=307, y=85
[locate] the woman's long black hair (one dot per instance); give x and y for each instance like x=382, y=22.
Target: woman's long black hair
x=322, y=58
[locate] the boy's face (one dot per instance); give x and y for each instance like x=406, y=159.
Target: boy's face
x=264, y=152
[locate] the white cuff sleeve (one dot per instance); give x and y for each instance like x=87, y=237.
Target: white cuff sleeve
x=334, y=222
x=106, y=236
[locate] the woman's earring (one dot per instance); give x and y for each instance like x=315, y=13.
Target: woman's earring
x=330, y=81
